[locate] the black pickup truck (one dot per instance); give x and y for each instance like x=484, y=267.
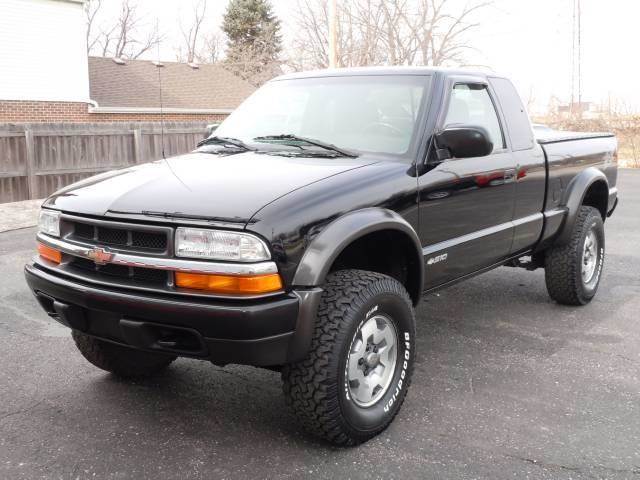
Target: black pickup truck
x=302, y=234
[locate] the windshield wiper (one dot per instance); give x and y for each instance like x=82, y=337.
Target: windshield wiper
x=235, y=142
x=308, y=141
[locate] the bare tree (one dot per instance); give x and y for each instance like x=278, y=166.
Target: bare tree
x=191, y=33
x=531, y=98
x=212, y=48
x=388, y=32
x=128, y=36
x=91, y=9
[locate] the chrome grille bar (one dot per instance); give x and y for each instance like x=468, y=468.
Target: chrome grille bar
x=161, y=263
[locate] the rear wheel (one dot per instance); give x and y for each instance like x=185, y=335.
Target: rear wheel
x=357, y=372
x=573, y=271
x=122, y=361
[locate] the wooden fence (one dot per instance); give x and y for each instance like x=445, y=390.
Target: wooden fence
x=38, y=159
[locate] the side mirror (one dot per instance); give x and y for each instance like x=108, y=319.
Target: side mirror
x=210, y=129
x=465, y=141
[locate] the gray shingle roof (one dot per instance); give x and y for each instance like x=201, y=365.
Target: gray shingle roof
x=135, y=85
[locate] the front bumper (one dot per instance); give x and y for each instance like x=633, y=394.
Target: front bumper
x=262, y=332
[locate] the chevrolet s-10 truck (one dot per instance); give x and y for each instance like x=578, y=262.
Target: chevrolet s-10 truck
x=302, y=234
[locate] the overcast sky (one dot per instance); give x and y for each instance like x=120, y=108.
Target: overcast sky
x=527, y=40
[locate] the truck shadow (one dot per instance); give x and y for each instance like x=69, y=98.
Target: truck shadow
x=481, y=336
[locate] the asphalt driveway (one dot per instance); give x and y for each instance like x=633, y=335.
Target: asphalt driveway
x=507, y=385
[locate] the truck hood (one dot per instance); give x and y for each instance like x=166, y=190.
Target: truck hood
x=222, y=188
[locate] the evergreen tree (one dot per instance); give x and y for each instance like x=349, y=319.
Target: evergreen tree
x=254, y=42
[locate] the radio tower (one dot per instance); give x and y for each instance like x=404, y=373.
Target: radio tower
x=579, y=58
x=576, y=59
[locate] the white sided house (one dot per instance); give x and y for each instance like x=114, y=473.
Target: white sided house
x=47, y=77
x=43, y=55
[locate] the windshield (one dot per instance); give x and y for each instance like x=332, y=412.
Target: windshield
x=360, y=113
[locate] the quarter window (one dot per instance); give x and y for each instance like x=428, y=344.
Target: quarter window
x=472, y=105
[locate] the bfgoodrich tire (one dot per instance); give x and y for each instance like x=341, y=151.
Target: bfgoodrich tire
x=573, y=271
x=355, y=377
x=121, y=361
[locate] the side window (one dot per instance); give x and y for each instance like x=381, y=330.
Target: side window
x=472, y=105
x=516, y=117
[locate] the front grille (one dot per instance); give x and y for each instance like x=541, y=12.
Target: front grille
x=84, y=231
x=151, y=240
x=110, y=271
x=112, y=236
x=119, y=237
x=126, y=238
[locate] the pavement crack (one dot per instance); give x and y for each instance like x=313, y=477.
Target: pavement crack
x=33, y=406
x=635, y=363
x=21, y=411
x=545, y=464
x=583, y=470
x=577, y=469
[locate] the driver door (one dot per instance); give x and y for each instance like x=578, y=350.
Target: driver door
x=466, y=204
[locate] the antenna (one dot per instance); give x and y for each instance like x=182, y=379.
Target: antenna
x=159, y=66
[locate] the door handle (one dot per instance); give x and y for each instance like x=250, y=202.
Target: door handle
x=510, y=175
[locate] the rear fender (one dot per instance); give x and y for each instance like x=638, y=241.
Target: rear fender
x=573, y=199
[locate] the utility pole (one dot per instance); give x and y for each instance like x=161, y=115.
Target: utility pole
x=333, y=34
x=579, y=60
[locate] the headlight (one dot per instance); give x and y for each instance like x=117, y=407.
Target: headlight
x=49, y=222
x=217, y=245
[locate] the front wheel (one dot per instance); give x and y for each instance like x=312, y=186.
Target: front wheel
x=121, y=361
x=572, y=271
x=358, y=369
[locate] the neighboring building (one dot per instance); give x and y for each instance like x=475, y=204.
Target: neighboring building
x=47, y=77
x=131, y=90
x=586, y=110
x=43, y=59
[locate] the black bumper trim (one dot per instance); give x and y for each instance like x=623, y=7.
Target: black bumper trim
x=272, y=331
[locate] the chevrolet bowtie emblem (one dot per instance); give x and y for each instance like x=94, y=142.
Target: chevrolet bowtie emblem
x=100, y=256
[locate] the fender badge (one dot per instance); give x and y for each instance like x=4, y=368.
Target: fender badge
x=437, y=259
x=100, y=256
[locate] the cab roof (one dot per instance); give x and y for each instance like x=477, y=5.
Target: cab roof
x=364, y=71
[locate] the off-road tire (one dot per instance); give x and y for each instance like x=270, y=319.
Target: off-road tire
x=316, y=387
x=563, y=263
x=121, y=361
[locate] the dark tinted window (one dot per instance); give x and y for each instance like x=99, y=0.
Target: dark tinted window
x=516, y=116
x=470, y=105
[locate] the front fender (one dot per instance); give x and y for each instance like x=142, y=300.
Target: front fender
x=325, y=248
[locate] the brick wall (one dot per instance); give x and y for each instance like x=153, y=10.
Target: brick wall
x=13, y=111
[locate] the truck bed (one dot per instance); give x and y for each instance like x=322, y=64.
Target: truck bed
x=557, y=136
x=569, y=158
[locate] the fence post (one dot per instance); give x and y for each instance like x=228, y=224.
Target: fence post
x=30, y=165
x=137, y=145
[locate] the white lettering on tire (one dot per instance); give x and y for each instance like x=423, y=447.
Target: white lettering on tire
x=403, y=373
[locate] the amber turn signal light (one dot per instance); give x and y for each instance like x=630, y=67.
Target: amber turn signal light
x=49, y=253
x=230, y=284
